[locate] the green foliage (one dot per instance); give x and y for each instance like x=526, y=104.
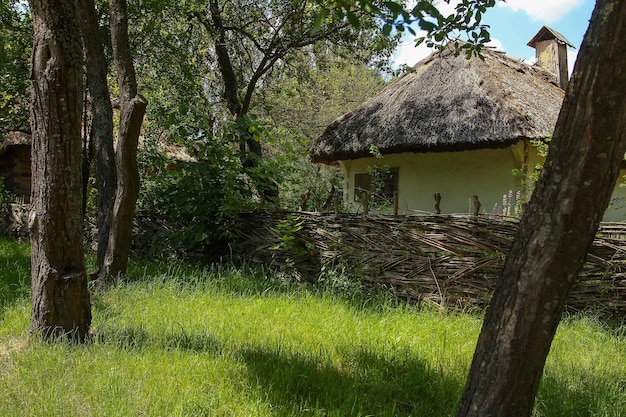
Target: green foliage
x=318, y=88
x=379, y=174
x=15, y=273
x=529, y=179
x=287, y=230
x=173, y=71
x=4, y=194
x=200, y=201
x=15, y=49
x=440, y=29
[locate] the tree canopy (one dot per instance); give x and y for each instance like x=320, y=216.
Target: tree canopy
x=15, y=49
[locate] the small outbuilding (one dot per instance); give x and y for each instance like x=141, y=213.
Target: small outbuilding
x=15, y=163
x=455, y=128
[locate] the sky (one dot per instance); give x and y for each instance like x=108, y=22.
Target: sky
x=514, y=22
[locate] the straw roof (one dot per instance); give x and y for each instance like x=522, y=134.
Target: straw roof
x=448, y=103
x=14, y=138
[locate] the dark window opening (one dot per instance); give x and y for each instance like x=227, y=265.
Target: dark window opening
x=387, y=185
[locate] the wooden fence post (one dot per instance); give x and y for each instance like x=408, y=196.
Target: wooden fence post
x=304, y=200
x=476, y=205
x=437, y=202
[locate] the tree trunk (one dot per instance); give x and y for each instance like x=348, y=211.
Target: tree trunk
x=101, y=134
x=557, y=228
x=133, y=107
x=60, y=299
x=234, y=104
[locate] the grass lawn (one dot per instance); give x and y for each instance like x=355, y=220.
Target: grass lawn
x=179, y=340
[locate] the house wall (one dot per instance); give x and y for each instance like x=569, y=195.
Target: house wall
x=16, y=171
x=457, y=176
x=617, y=206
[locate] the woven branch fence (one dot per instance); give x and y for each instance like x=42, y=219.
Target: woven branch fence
x=447, y=260
x=443, y=259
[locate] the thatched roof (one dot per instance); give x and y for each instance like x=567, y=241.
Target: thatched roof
x=14, y=138
x=448, y=103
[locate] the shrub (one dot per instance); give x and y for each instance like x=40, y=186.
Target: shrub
x=197, y=202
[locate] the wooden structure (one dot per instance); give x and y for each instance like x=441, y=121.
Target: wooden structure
x=15, y=164
x=457, y=128
x=551, y=53
x=442, y=259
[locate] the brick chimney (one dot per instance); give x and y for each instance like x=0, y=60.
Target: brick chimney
x=551, y=53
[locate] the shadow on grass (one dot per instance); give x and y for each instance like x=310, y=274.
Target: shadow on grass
x=367, y=383
x=136, y=338
x=14, y=272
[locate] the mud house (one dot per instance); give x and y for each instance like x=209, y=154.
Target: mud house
x=15, y=164
x=457, y=128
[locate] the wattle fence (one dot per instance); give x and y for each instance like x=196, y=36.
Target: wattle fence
x=442, y=259
x=446, y=260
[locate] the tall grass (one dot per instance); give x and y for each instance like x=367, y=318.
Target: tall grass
x=176, y=340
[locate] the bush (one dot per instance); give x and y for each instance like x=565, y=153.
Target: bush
x=197, y=202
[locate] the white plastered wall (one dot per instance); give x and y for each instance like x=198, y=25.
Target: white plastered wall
x=457, y=176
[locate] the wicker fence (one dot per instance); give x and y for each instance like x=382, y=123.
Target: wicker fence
x=448, y=260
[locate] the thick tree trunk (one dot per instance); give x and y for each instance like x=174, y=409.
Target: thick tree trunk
x=101, y=135
x=61, y=304
x=557, y=228
x=133, y=107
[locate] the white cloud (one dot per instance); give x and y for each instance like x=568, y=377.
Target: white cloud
x=408, y=54
x=496, y=44
x=542, y=10
x=447, y=9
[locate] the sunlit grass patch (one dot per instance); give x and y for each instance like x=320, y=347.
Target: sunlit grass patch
x=180, y=340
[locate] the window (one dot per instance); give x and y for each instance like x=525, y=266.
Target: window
x=364, y=182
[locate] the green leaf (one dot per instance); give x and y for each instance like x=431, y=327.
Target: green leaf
x=387, y=29
x=429, y=8
x=395, y=8
x=427, y=26
x=319, y=20
x=354, y=20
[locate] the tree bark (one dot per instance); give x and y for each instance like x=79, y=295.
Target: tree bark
x=557, y=228
x=101, y=134
x=132, y=108
x=237, y=109
x=61, y=305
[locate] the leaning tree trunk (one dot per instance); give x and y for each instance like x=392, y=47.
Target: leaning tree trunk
x=101, y=135
x=557, y=228
x=60, y=299
x=132, y=107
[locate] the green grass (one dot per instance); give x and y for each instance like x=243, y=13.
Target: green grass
x=176, y=340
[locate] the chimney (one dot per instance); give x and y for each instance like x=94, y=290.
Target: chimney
x=551, y=53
